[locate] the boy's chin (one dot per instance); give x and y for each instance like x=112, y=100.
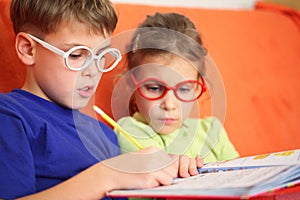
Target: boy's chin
x=77, y=105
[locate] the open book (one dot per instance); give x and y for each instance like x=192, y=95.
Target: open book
x=237, y=178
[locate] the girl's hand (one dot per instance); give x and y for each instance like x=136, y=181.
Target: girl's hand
x=188, y=166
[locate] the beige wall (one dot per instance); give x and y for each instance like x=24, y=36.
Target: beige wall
x=216, y=4
x=289, y=3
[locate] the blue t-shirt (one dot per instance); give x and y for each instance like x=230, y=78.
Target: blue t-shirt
x=43, y=144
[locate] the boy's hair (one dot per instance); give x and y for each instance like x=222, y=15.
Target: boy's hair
x=168, y=34
x=43, y=16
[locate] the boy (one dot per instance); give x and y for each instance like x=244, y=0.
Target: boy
x=49, y=150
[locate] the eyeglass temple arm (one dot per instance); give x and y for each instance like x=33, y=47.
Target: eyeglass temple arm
x=204, y=88
x=47, y=46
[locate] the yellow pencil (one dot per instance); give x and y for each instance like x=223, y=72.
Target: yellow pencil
x=116, y=126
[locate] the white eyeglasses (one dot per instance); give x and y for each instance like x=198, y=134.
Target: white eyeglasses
x=79, y=57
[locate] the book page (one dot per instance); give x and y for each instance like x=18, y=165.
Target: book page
x=273, y=159
x=228, y=179
x=238, y=183
x=259, y=174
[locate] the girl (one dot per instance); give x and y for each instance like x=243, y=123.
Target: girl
x=166, y=69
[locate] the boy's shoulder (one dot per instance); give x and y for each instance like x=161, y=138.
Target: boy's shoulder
x=10, y=100
x=21, y=100
x=5, y=96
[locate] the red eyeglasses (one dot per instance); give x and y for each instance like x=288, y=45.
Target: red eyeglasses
x=154, y=89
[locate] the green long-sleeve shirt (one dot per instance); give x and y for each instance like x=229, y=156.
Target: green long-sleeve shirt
x=205, y=137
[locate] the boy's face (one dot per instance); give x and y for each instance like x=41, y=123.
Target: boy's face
x=52, y=80
x=166, y=114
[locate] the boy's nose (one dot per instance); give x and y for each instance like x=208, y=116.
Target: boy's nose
x=169, y=101
x=91, y=70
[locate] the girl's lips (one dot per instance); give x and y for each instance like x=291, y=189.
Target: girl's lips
x=168, y=120
x=86, y=91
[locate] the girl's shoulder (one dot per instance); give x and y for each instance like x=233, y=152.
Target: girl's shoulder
x=205, y=122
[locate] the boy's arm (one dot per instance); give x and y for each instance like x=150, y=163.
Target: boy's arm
x=16, y=164
x=105, y=176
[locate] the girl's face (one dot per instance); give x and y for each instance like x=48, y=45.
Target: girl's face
x=166, y=114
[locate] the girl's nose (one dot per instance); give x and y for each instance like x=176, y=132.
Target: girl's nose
x=169, y=101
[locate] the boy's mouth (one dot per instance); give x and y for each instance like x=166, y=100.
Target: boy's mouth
x=86, y=91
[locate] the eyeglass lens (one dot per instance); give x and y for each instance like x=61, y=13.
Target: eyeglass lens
x=79, y=58
x=108, y=60
x=186, y=91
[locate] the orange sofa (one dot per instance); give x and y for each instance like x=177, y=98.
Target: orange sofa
x=258, y=56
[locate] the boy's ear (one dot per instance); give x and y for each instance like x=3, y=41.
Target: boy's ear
x=25, y=48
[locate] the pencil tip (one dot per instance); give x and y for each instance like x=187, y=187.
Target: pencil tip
x=97, y=109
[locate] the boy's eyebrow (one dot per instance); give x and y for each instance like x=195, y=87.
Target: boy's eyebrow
x=104, y=47
x=106, y=44
x=100, y=47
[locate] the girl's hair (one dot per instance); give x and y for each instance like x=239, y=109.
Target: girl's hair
x=169, y=33
x=45, y=15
